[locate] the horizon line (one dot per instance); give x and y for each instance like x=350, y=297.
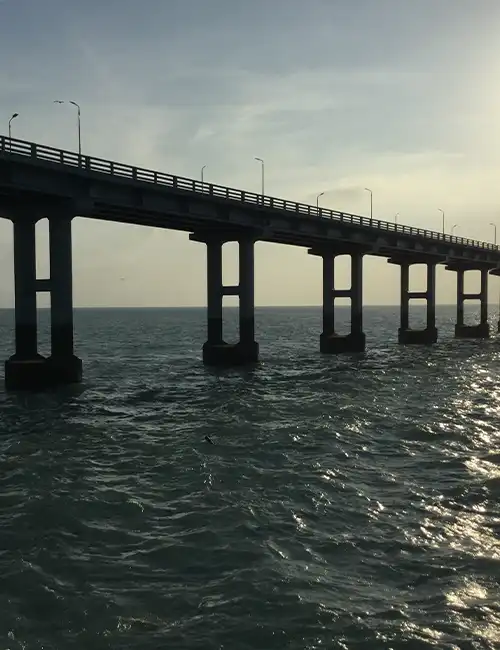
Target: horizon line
x=317, y=306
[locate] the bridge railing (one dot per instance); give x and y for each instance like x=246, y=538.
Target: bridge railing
x=24, y=148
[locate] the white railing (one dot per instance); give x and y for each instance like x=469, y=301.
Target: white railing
x=16, y=147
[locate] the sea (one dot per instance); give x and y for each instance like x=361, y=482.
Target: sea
x=346, y=502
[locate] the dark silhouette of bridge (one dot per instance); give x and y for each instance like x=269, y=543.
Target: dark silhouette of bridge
x=37, y=181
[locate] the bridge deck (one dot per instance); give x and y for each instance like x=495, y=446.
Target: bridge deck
x=104, y=189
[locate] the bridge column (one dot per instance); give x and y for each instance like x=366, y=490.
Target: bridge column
x=330, y=341
x=358, y=338
x=63, y=366
x=482, y=329
x=214, y=294
x=483, y=297
x=460, y=300
x=25, y=369
x=328, y=300
x=216, y=352
x=407, y=335
x=249, y=348
x=431, y=302
x=405, y=299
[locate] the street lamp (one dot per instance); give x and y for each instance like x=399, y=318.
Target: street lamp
x=317, y=200
x=396, y=218
x=262, y=168
x=60, y=101
x=495, y=227
x=204, y=166
x=371, y=201
x=442, y=212
x=453, y=228
x=14, y=115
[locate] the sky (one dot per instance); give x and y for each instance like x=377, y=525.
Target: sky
x=335, y=95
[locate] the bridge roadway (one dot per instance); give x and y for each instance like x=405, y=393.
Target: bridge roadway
x=38, y=181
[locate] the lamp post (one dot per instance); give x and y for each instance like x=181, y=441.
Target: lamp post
x=204, y=166
x=262, y=176
x=442, y=212
x=495, y=229
x=453, y=228
x=317, y=200
x=396, y=218
x=14, y=115
x=371, y=201
x=60, y=101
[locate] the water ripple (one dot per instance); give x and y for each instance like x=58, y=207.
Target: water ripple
x=346, y=503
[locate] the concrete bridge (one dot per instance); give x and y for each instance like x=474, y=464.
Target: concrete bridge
x=37, y=181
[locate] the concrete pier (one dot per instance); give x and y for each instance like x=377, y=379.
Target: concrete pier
x=482, y=329
x=407, y=335
x=216, y=351
x=330, y=342
x=27, y=369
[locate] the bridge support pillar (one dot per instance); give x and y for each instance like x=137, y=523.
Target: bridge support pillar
x=330, y=342
x=482, y=329
x=63, y=366
x=249, y=348
x=26, y=369
x=216, y=352
x=407, y=335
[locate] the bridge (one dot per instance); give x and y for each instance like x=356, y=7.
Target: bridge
x=38, y=181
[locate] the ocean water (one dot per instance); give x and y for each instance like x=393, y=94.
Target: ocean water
x=347, y=502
